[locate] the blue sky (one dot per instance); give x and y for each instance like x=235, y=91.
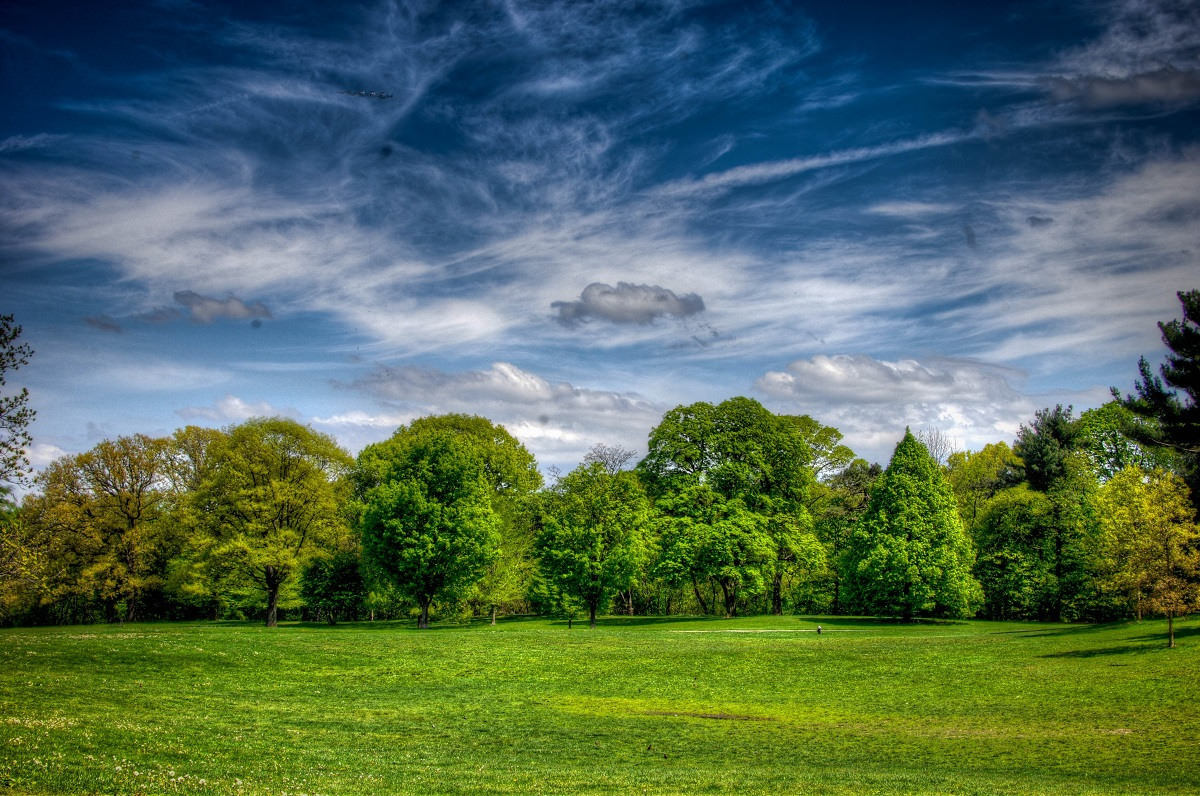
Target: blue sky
x=572, y=217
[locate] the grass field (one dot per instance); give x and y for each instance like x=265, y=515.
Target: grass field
x=640, y=705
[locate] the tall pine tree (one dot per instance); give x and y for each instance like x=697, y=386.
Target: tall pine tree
x=909, y=555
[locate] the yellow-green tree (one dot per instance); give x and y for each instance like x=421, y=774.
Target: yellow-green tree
x=272, y=497
x=1152, y=543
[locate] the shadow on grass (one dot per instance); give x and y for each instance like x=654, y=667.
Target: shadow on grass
x=1128, y=649
x=1161, y=635
x=1039, y=630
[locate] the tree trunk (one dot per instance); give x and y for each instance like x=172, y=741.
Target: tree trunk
x=592, y=616
x=273, y=580
x=699, y=599
x=493, y=616
x=777, y=594
x=730, y=599
x=1170, y=630
x=423, y=619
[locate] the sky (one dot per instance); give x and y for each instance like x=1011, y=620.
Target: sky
x=571, y=217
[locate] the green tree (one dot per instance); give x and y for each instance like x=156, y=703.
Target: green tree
x=511, y=473
x=271, y=499
x=909, y=555
x=592, y=539
x=428, y=526
x=1014, y=537
x=1172, y=400
x=702, y=457
x=1108, y=436
x=977, y=477
x=1152, y=543
x=1044, y=445
x=15, y=414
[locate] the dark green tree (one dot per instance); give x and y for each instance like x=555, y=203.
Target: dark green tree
x=1044, y=445
x=428, y=527
x=909, y=556
x=1172, y=399
x=333, y=586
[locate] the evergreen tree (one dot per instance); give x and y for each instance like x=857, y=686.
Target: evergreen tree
x=909, y=556
x=1174, y=399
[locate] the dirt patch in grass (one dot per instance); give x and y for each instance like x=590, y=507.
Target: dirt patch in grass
x=716, y=716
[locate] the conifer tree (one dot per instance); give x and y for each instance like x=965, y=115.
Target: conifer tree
x=909, y=555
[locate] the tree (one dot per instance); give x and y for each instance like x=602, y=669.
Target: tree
x=612, y=457
x=511, y=474
x=333, y=585
x=909, y=555
x=15, y=414
x=1108, y=436
x=429, y=526
x=271, y=498
x=592, y=537
x=978, y=476
x=1152, y=543
x=1014, y=535
x=1172, y=399
x=734, y=479
x=1044, y=445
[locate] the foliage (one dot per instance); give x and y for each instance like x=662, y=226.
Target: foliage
x=1043, y=446
x=593, y=536
x=15, y=414
x=909, y=555
x=271, y=500
x=977, y=477
x=429, y=527
x=1014, y=538
x=333, y=586
x=1108, y=436
x=1153, y=544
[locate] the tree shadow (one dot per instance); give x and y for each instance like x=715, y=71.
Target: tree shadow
x=1128, y=649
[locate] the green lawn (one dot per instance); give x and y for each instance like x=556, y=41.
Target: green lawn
x=637, y=705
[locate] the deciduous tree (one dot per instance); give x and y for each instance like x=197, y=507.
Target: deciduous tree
x=1152, y=543
x=429, y=526
x=271, y=498
x=593, y=535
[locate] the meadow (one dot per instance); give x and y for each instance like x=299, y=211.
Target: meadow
x=754, y=705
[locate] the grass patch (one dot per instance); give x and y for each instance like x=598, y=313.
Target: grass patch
x=634, y=706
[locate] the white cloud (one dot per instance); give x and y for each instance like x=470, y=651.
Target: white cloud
x=871, y=401
x=232, y=409
x=557, y=421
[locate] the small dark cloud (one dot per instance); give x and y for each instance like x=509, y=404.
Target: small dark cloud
x=1039, y=221
x=1162, y=86
x=970, y=236
x=626, y=303
x=205, y=309
x=160, y=315
x=104, y=323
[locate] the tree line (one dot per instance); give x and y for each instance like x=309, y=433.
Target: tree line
x=734, y=509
